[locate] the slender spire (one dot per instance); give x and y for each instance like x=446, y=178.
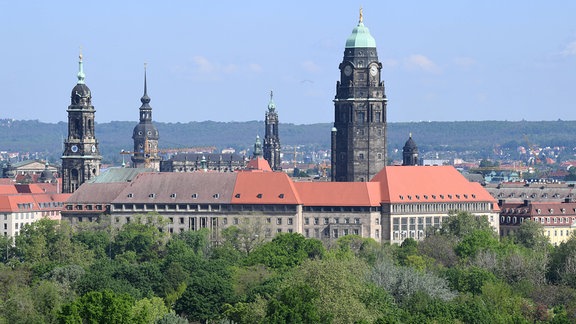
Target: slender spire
x=361, y=20
x=145, y=99
x=81, y=75
x=257, y=147
x=271, y=104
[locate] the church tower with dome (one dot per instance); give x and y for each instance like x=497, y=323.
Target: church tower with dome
x=145, y=136
x=410, y=152
x=81, y=158
x=271, y=139
x=359, y=133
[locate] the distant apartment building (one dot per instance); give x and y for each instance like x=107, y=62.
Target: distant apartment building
x=24, y=204
x=558, y=219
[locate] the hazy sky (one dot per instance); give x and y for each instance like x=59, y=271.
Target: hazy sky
x=218, y=60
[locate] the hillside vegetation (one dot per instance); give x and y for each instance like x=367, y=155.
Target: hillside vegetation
x=481, y=136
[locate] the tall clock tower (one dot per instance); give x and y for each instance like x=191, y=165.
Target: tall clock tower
x=271, y=138
x=359, y=133
x=81, y=159
x=145, y=136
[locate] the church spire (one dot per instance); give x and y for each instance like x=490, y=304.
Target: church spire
x=257, y=147
x=145, y=99
x=271, y=104
x=81, y=75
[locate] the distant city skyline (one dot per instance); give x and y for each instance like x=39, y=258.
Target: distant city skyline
x=443, y=61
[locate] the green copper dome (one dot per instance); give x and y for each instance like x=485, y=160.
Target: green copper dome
x=360, y=37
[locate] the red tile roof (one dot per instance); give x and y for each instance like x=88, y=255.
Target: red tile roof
x=258, y=164
x=264, y=188
x=405, y=184
x=339, y=193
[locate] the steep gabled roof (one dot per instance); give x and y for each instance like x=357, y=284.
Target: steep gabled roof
x=9, y=203
x=175, y=187
x=9, y=189
x=258, y=164
x=410, y=184
x=339, y=193
x=97, y=193
x=264, y=188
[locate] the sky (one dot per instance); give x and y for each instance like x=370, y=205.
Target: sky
x=219, y=60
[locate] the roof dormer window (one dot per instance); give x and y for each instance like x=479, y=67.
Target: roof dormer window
x=237, y=195
x=194, y=196
x=259, y=195
x=172, y=195
x=216, y=196
x=152, y=195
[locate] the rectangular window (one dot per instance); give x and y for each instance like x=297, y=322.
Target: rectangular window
x=316, y=221
x=225, y=221
x=336, y=220
x=316, y=233
x=269, y=220
x=307, y=233
x=290, y=221
x=377, y=220
x=306, y=221
x=356, y=220
x=356, y=231
x=377, y=233
x=279, y=230
x=326, y=221
x=181, y=220
x=335, y=233
x=236, y=221
x=346, y=220
x=5, y=226
x=278, y=221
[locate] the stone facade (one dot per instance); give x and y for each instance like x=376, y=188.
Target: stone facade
x=271, y=147
x=359, y=111
x=81, y=158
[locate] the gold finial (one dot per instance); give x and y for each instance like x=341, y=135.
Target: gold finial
x=361, y=16
x=80, y=55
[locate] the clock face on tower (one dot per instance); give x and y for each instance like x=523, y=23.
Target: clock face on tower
x=93, y=148
x=74, y=148
x=373, y=70
x=347, y=70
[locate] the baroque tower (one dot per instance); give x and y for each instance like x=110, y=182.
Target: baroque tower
x=410, y=152
x=271, y=138
x=145, y=136
x=81, y=158
x=359, y=134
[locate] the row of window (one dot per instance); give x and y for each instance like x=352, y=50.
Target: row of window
x=543, y=220
x=195, y=195
x=340, y=209
x=439, y=207
x=205, y=207
x=335, y=220
x=458, y=196
x=335, y=232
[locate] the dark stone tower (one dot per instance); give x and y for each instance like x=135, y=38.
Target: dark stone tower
x=145, y=136
x=81, y=158
x=410, y=152
x=359, y=110
x=271, y=138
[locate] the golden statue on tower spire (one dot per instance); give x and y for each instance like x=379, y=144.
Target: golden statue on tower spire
x=361, y=16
